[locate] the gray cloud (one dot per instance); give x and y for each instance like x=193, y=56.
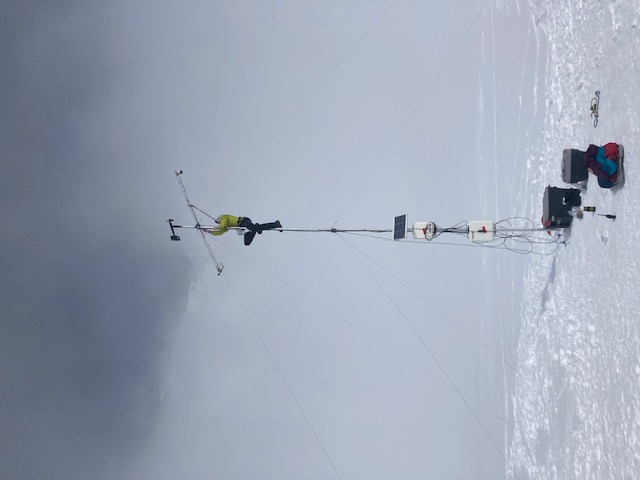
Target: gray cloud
x=88, y=303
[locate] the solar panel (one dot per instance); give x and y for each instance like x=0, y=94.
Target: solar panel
x=400, y=227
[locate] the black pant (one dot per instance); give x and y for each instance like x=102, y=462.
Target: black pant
x=255, y=228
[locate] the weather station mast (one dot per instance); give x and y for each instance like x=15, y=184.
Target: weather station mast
x=517, y=234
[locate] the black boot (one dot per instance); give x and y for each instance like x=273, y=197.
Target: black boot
x=269, y=226
x=248, y=237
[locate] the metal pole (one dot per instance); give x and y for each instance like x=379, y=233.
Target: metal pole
x=199, y=227
x=328, y=230
x=540, y=229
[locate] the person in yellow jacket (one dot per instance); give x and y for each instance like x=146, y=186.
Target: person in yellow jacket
x=225, y=222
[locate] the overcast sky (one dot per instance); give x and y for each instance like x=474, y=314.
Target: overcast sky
x=125, y=356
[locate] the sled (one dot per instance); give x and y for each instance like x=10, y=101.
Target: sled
x=620, y=166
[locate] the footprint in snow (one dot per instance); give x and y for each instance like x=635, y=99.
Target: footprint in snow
x=604, y=236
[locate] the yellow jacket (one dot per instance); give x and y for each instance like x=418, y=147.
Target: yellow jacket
x=224, y=223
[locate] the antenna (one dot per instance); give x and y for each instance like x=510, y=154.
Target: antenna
x=173, y=237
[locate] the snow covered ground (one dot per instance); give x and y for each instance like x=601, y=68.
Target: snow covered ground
x=577, y=395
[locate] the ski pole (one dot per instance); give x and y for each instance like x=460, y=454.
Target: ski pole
x=612, y=217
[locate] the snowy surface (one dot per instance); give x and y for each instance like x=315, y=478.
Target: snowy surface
x=576, y=402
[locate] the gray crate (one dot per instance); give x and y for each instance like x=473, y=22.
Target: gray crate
x=573, y=167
